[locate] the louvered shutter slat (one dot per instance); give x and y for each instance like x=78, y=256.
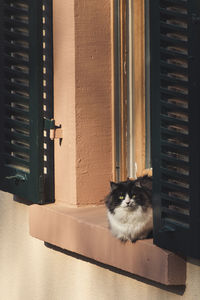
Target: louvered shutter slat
x=175, y=91
x=26, y=154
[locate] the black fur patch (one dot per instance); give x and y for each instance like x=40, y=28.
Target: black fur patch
x=141, y=188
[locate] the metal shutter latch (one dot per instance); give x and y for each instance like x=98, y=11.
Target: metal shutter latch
x=55, y=132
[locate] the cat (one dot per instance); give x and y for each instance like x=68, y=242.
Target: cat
x=129, y=209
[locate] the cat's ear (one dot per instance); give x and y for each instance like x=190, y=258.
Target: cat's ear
x=138, y=184
x=113, y=185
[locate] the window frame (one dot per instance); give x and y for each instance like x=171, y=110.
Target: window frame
x=130, y=91
x=65, y=224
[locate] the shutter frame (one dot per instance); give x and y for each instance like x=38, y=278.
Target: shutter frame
x=175, y=237
x=25, y=37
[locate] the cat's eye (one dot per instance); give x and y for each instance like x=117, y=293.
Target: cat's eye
x=121, y=197
x=133, y=196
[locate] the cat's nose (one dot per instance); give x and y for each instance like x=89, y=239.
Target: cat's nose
x=128, y=201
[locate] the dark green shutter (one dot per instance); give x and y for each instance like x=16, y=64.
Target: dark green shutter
x=26, y=152
x=175, y=99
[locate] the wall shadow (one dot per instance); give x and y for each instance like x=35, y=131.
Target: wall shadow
x=193, y=261
x=22, y=200
x=179, y=290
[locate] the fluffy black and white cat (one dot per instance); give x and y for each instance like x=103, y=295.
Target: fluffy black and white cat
x=129, y=209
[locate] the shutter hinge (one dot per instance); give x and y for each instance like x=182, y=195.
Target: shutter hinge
x=195, y=18
x=55, y=132
x=18, y=178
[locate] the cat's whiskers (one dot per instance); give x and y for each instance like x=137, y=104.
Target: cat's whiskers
x=130, y=209
x=128, y=202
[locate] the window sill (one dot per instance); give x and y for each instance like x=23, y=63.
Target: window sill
x=85, y=231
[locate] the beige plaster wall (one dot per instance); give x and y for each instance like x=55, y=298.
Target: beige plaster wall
x=30, y=271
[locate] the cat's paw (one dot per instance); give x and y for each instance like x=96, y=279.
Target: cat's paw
x=123, y=239
x=134, y=240
x=142, y=237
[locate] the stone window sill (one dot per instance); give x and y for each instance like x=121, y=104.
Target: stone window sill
x=85, y=231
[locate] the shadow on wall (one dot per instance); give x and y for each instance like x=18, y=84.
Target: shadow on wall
x=179, y=290
x=193, y=261
x=21, y=200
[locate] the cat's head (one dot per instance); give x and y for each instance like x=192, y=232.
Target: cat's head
x=130, y=194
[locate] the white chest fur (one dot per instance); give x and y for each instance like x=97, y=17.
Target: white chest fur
x=127, y=224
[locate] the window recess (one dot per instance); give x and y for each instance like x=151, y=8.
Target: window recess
x=26, y=77
x=175, y=89
x=138, y=125
x=132, y=101
x=120, y=89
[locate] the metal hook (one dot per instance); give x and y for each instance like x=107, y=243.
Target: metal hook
x=17, y=178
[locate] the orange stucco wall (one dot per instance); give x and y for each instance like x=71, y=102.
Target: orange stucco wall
x=93, y=99
x=83, y=97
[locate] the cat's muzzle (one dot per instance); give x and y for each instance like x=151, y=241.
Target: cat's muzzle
x=131, y=205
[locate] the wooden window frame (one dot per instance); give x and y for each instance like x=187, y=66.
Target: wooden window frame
x=130, y=85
